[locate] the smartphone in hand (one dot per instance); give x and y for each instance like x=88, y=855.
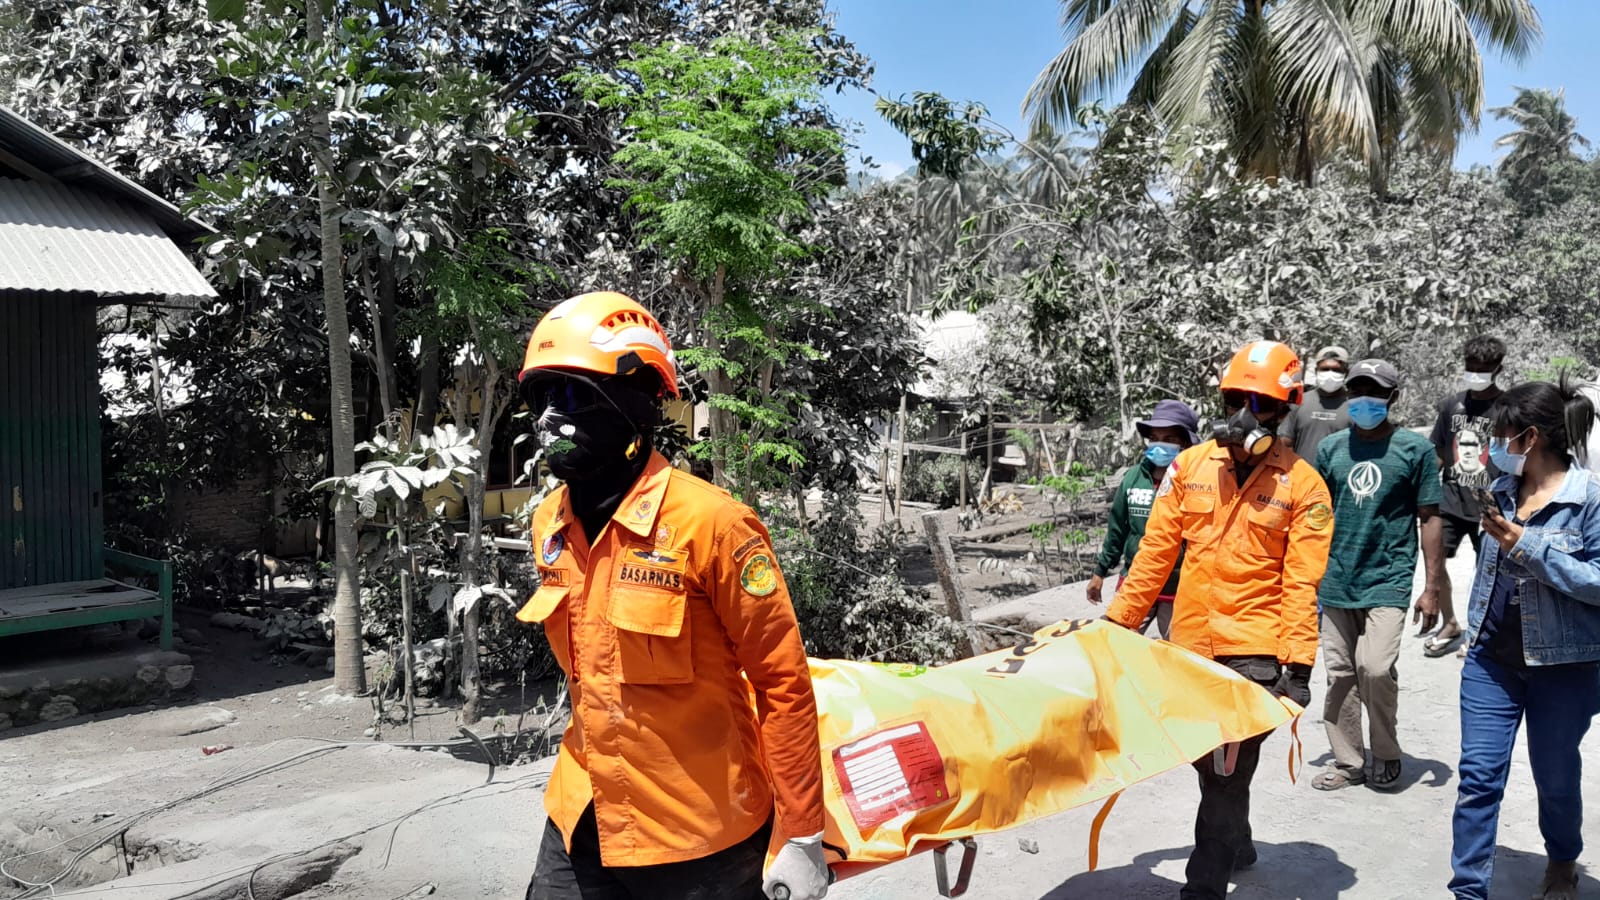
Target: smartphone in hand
x=1489, y=506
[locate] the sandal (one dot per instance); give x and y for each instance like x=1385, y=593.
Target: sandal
x=1386, y=775
x=1438, y=646
x=1336, y=777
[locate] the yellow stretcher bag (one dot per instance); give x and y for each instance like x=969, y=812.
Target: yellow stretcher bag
x=914, y=758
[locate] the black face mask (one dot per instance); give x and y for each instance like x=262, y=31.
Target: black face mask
x=580, y=445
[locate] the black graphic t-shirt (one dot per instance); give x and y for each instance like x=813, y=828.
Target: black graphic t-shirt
x=1461, y=436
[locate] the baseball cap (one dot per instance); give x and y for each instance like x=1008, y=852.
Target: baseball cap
x=1332, y=352
x=1171, y=414
x=1379, y=370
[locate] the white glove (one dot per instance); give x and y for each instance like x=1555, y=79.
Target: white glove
x=800, y=868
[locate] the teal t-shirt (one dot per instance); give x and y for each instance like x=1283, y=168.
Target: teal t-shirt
x=1377, y=487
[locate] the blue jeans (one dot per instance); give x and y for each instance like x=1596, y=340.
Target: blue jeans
x=1558, y=702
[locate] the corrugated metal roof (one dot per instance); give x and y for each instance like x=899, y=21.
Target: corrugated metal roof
x=58, y=160
x=59, y=238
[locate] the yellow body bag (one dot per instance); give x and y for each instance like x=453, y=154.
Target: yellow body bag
x=914, y=758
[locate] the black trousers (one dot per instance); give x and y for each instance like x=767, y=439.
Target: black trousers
x=1222, y=839
x=731, y=874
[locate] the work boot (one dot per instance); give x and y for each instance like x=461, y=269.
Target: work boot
x=1560, y=881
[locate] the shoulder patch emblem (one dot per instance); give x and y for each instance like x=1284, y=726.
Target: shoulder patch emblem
x=759, y=577
x=1166, y=483
x=553, y=545
x=1319, y=516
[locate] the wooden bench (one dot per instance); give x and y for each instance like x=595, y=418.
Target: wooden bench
x=72, y=604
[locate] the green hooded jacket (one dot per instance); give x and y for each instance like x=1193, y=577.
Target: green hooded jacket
x=1130, y=510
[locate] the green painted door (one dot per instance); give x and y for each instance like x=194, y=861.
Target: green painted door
x=51, y=526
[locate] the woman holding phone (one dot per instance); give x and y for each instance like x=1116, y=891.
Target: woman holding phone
x=1533, y=629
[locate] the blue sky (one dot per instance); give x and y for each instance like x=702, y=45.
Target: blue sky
x=990, y=50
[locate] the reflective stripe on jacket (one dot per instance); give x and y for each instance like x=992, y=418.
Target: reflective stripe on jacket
x=658, y=626
x=1255, y=555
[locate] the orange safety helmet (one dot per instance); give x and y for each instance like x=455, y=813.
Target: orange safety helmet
x=601, y=333
x=1267, y=368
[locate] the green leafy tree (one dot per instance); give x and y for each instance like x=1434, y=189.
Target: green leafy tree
x=728, y=146
x=1289, y=84
x=483, y=308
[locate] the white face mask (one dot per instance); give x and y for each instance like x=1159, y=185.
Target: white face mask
x=1478, y=381
x=1330, y=381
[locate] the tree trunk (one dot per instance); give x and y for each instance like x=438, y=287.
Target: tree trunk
x=158, y=403
x=385, y=346
x=724, y=424
x=428, y=390
x=1119, y=361
x=349, y=672
x=386, y=338
x=407, y=573
x=472, y=553
x=490, y=408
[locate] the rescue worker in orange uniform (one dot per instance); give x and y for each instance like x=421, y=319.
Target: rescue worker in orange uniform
x=665, y=606
x=1257, y=521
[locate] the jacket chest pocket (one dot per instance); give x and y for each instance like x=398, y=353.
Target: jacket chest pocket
x=1268, y=532
x=1197, y=511
x=649, y=608
x=1568, y=542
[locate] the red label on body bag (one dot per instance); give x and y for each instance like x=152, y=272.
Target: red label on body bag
x=887, y=773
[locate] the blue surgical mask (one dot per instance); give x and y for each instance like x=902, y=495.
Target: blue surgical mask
x=1368, y=412
x=1500, y=454
x=1161, y=453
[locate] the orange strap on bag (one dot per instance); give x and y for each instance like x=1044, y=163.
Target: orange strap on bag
x=1094, y=830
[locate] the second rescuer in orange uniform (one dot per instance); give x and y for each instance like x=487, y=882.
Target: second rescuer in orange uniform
x=1257, y=521
x=663, y=603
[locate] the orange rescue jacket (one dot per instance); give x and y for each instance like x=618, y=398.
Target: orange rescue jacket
x=1255, y=555
x=658, y=626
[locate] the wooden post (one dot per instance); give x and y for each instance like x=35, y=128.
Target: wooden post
x=988, y=472
x=944, y=566
x=900, y=463
x=1049, y=452
x=963, y=505
x=883, y=479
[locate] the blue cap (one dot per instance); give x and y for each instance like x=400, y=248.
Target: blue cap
x=1171, y=414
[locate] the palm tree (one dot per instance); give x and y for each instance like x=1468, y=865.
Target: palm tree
x=1289, y=83
x=1545, y=134
x=1047, y=164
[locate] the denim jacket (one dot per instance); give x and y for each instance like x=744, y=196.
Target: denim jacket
x=1557, y=562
